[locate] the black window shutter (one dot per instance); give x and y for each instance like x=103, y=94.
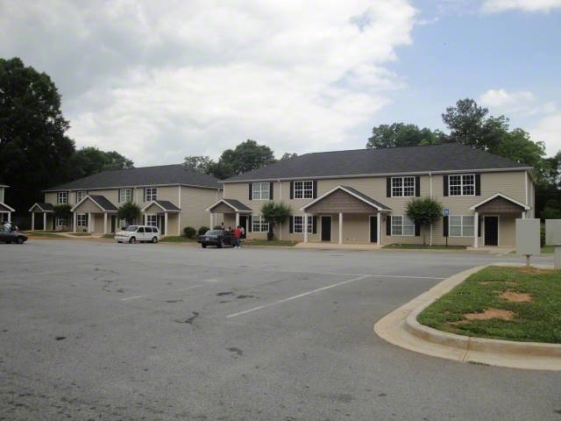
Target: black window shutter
x=271, y=197
x=417, y=229
x=478, y=184
x=445, y=179
x=479, y=226
x=291, y=223
x=314, y=224
x=292, y=189
x=445, y=226
x=315, y=184
x=417, y=186
x=389, y=187
x=389, y=226
x=249, y=224
x=250, y=191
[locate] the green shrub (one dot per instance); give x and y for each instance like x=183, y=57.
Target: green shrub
x=189, y=232
x=203, y=229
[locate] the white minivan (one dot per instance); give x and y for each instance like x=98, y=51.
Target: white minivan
x=138, y=233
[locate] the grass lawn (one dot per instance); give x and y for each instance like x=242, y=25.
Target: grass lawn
x=510, y=303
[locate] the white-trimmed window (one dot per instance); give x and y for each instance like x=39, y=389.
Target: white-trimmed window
x=258, y=224
x=298, y=224
x=261, y=191
x=152, y=220
x=150, y=193
x=403, y=186
x=60, y=222
x=80, y=195
x=62, y=198
x=125, y=195
x=461, y=185
x=81, y=220
x=461, y=226
x=402, y=225
x=303, y=189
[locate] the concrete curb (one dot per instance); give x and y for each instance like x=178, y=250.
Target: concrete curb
x=402, y=329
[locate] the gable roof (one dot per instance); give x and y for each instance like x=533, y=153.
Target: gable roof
x=164, y=205
x=101, y=202
x=42, y=207
x=448, y=157
x=234, y=204
x=165, y=175
x=353, y=192
x=500, y=196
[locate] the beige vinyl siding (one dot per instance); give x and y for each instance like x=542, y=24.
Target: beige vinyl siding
x=194, y=202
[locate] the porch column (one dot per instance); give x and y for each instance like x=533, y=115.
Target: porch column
x=32, y=221
x=237, y=219
x=44, y=222
x=379, y=227
x=475, y=230
x=210, y=222
x=90, y=223
x=105, y=222
x=340, y=228
x=74, y=220
x=305, y=228
x=166, y=223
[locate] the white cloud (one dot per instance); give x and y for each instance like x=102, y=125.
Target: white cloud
x=547, y=130
x=509, y=102
x=494, y=6
x=158, y=81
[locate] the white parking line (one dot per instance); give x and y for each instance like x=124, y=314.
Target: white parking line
x=360, y=278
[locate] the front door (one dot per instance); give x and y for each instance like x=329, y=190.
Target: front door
x=491, y=230
x=326, y=228
x=373, y=229
x=243, y=224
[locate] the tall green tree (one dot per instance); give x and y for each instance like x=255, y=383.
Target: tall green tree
x=400, y=134
x=275, y=214
x=424, y=211
x=90, y=160
x=34, y=150
x=130, y=212
x=202, y=164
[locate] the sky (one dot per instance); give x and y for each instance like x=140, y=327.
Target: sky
x=158, y=81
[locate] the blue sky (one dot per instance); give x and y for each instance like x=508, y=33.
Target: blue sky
x=158, y=81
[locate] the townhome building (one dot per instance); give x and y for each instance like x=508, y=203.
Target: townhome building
x=361, y=196
x=169, y=196
x=5, y=210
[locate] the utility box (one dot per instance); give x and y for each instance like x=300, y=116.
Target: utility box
x=528, y=237
x=553, y=238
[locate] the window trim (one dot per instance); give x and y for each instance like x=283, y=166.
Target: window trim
x=402, y=188
x=402, y=225
x=304, y=189
x=462, y=226
x=121, y=191
x=257, y=194
x=150, y=194
x=59, y=196
x=462, y=185
x=260, y=224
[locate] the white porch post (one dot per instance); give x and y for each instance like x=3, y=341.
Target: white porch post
x=105, y=222
x=32, y=221
x=476, y=230
x=44, y=222
x=210, y=222
x=90, y=223
x=379, y=227
x=305, y=228
x=237, y=219
x=166, y=223
x=74, y=220
x=340, y=228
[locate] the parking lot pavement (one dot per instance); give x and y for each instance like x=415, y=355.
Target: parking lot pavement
x=106, y=331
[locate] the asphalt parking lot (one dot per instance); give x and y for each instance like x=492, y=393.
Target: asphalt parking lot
x=100, y=331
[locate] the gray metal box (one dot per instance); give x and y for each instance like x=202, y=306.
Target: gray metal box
x=553, y=232
x=528, y=237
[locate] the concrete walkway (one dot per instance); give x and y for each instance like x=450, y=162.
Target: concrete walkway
x=402, y=329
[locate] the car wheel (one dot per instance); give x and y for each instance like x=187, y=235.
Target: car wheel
x=203, y=245
x=155, y=240
x=8, y=242
x=20, y=240
x=132, y=240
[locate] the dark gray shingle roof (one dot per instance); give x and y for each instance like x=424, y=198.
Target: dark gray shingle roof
x=353, y=163
x=164, y=175
x=103, y=202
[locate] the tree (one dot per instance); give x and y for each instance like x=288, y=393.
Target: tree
x=247, y=156
x=90, y=160
x=400, y=134
x=34, y=150
x=130, y=212
x=275, y=214
x=202, y=164
x=63, y=212
x=423, y=211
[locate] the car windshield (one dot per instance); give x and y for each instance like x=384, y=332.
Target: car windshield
x=214, y=232
x=131, y=228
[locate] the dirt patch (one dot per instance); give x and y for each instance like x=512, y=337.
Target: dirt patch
x=491, y=313
x=518, y=297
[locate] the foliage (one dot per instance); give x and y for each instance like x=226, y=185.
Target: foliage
x=400, y=134
x=201, y=164
x=130, y=212
x=534, y=321
x=34, y=150
x=288, y=155
x=424, y=211
x=275, y=214
x=63, y=212
x=202, y=230
x=189, y=232
x=91, y=160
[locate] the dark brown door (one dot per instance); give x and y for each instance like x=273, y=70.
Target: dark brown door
x=491, y=230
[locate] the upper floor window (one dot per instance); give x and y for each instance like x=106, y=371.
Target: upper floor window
x=62, y=198
x=80, y=195
x=125, y=195
x=258, y=224
x=261, y=191
x=461, y=226
x=461, y=185
x=402, y=225
x=150, y=193
x=303, y=189
x=403, y=186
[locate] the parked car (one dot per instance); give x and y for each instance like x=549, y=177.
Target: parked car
x=217, y=237
x=138, y=233
x=8, y=235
